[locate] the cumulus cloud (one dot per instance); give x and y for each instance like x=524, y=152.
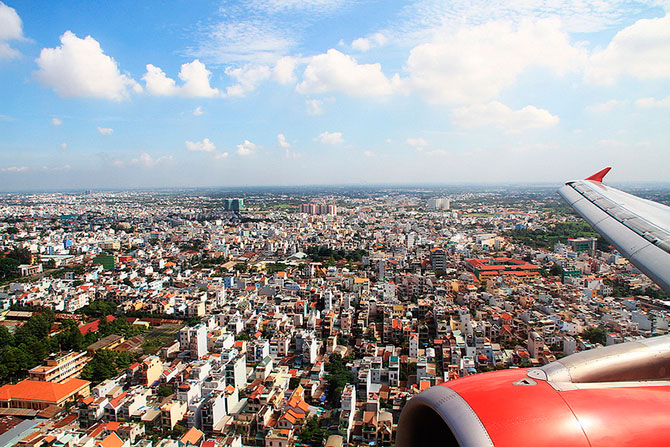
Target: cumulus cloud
x=641, y=50
x=606, y=107
x=417, y=143
x=650, y=103
x=330, y=138
x=105, y=130
x=369, y=154
x=283, y=71
x=281, y=140
x=146, y=161
x=11, y=28
x=63, y=146
x=474, y=64
x=80, y=68
x=334, y=71
x=56, y=121
x=499, y=115
x=197, y=111
x=195, y=81
x=247, y=77
x=200, y=146
x=246, y=148
x=221, y=155
x=364, y=44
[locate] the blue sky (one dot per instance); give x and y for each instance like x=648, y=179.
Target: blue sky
x=283, y=92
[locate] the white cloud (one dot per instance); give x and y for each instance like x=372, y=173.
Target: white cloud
x=195, y=81
x=56, y=121
x=198, y=111
x=420, y=17
x=146, y=161
x=63, y=146
x=7, y=52
x=330, y=138
x=105, y=130
x=6, y=118
x=157, y=83
x=649, y=103
x=247, y=77
x=56, y=168
x=476, y=63
x=281, y=140
x=364, y=44
x=14, y=169
x=334, y=71
x=369, y=154
x=606, y=107
x=417, y=143
x=315, y=106
x=246, y=148
x=200, y=146
x=221, y=155
x=312, y=6
x=499, y=115
x=79, y=68
x=11, y=28
x=641, y=50
x=283, y=70
x=243, y=41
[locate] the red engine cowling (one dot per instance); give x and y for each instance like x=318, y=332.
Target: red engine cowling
x=613, y=396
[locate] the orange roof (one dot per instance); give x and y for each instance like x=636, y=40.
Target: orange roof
x=42, y=391
x=192, y=436
x=112, y=426
x=111, y=441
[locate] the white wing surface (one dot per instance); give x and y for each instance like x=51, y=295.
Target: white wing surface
x=638, y=228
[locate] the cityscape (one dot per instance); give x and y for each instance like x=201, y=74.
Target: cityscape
x=191, y=318
x=334, y=223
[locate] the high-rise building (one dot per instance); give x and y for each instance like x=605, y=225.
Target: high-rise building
x=313, y=208
x=438, y=259
x=194, y=339
x=587, y=244
x=439, y=203
x=233, y=204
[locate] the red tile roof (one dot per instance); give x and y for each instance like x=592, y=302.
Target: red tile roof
x=94, y=326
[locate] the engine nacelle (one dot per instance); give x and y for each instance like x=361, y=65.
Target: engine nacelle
x=613, y=396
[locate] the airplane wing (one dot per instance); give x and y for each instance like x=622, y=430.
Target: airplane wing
x=638, y=228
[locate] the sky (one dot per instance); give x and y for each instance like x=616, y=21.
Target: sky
x=130, y=94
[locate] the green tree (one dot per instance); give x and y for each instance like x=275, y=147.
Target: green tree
x=595, y=335
x=338, y=376
x=312, y=433
x=556, y=270
x=165, y=391
x=9, y=268
x=106, y=364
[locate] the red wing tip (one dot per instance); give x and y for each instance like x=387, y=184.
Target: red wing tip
x=598, y=176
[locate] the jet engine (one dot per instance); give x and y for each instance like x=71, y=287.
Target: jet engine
x=618, y=395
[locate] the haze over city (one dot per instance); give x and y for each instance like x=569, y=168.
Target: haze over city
x=291, y=92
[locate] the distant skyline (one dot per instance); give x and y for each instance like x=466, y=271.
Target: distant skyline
x=310, y=92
